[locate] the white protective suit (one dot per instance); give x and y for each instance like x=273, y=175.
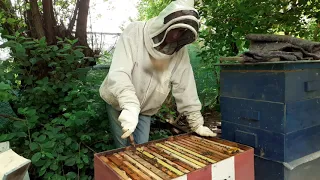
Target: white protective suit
x=134, y=87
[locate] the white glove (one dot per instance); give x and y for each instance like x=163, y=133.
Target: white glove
x=196, y=122
x=129, y=120
x=204, y=131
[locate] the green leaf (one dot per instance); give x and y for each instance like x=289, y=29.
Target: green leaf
x=19, y=124
x=68, y=141
x=11, y=21
x=68, y=123
x=35, y=135
x=74, y=41
x=20, y=50
x=33, y=60
x=49, y=175
x=80, y=121
x=42, y=171
x=49, y=144
x=4, y=86
x=85, y=159
x=54, y=167
x=49, y=155
x=9, y=37
x=75, y=146
x=36, y=157
x=26, y=142
x=67, y=115
x=70, y=162
x=10, y=44
x=62, y=158
x=21, y=134
x=71, y=175
x=39, y=163
x=52, y=64
x=54, y=48
x=6, y=137
x=33, y=146
x=85, y=137
x=78, y=53
x=42, y=41
x=41, y=138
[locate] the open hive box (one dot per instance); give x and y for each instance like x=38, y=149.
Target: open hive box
x=184, y=157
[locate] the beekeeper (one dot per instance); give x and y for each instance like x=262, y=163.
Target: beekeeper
x=149, y=60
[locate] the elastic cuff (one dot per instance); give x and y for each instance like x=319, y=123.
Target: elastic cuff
x=195, y=120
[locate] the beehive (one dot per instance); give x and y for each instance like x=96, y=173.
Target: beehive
x=181, y=157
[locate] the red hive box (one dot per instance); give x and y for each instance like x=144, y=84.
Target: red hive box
x=184, y=157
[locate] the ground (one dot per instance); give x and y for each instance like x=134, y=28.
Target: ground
x=212, y=120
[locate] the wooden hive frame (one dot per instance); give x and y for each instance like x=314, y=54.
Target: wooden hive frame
x=183, y=157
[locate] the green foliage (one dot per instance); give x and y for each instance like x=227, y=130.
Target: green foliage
x=226, y=23
x=166, y=111
x=6, y=92
x=62, y=116
x=159, y=134
x=151, y=8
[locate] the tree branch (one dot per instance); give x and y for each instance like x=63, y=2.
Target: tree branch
x=74, y=17
x=11, y=117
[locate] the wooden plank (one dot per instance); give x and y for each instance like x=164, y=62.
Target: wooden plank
x=173, y=159
x=181, y=155
x=186, y=154
x=214, y=153
x=200, y=150
x=192, y=152
x=124, y=167
x=220, y=151
x=133, y=168
x=173, y=169
x=140, y=166
x=217, y=144
x=154, y=169
x=156, y=164
x=235, y=58
x=115, y=168
x=167, y=161
x=180, y=158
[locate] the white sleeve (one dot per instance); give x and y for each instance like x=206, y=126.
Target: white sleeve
x=119, y=79
x=184, y=86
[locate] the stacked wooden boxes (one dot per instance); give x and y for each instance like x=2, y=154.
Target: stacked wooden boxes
x=275, y=108
x=184, y=157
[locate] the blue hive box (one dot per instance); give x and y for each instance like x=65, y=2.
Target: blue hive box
x=306, y=168
x=273, y=107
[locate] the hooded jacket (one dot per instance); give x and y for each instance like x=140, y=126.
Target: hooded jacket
x=132, y=81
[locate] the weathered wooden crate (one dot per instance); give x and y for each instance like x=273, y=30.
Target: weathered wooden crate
x=184, y=157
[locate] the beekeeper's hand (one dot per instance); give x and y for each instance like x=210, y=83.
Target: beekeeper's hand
x=128, y=118
x=196, y=122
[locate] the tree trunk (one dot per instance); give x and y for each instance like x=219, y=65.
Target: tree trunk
x=37, y=22
x=49, y=21
x=81, y=31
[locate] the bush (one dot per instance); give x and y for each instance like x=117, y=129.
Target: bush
x=62, y=119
